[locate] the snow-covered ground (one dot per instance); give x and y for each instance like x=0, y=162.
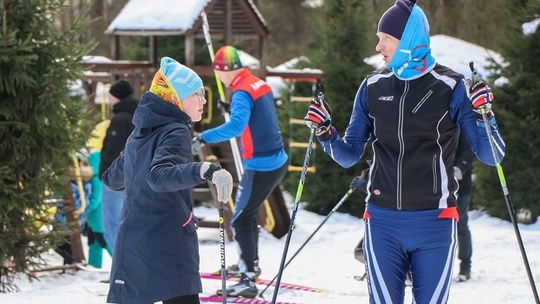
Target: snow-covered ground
x=327, y=261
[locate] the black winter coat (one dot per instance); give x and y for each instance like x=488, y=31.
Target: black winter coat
x=118, y=132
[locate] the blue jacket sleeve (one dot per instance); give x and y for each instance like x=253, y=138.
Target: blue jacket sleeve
x=348, y=150
x=240, y=113
x=476, y=130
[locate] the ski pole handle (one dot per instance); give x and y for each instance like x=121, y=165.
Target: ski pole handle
x=475, y=77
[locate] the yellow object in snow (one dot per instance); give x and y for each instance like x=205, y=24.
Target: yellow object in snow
x=95, y=143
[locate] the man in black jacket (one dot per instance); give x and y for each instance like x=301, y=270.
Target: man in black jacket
x=123, y=105
x=412, y=113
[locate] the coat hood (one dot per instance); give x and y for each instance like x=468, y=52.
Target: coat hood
x=153, y=112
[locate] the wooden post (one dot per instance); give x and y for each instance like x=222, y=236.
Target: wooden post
x=153, y=51
x=115, y=47
x=189, y=53
x=72, y=220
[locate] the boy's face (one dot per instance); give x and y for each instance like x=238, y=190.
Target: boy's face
x=193, y=105
x=227, y=76
x=387, y=46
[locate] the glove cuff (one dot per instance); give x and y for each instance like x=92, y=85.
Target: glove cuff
x=325, y=135
x=479, y=117
x=212, y=167
x=224, y=106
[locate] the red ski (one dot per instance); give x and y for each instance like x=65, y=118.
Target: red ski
x=219, y=299
x=207, y=275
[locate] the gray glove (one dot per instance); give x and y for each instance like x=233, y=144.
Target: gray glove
x=220, y=177
x=458, y=174
x=196, y=143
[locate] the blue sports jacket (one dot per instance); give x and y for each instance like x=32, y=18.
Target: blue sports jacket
x=254, y=118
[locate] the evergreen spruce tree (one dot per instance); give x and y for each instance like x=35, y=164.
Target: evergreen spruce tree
x=517, y=108
x=42, y=122
x=342, y=40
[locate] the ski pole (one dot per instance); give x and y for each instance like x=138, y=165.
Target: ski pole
x=234, y=145
x=475, y=78
x=343, y=199
x=296, y=203
x=223, y=270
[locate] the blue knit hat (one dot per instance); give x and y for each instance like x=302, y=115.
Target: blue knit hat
x=184, y=80
x=394, y=20
x=174, y=82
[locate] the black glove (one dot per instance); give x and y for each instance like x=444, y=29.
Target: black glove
x=224, y=106
x=220, y=177
x=196, y=143
x=360, y=182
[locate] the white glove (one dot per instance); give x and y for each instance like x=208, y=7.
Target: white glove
x=458, y=174
x=220, y=177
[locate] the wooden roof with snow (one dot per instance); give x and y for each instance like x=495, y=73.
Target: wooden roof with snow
x=178, y=17
x=226, y=19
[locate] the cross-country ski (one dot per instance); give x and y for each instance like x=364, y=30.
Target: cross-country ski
x=264, y=282
x=218, y=299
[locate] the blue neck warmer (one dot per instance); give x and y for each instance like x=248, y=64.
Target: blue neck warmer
x=413, y=54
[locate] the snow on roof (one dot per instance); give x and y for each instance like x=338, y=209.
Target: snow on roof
x=289, y=66
x=278, y=84
x=157, y=15
x=455, y=54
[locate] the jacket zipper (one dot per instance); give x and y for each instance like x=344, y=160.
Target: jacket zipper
x=434, y=169
x=399, y=165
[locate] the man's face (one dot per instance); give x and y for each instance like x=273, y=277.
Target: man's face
x=113, y=100
x=387, y=46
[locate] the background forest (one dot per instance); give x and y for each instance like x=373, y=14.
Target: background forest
x=334, y=34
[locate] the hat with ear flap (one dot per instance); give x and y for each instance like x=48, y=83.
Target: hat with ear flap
x=174, y=81
x=394, y=20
